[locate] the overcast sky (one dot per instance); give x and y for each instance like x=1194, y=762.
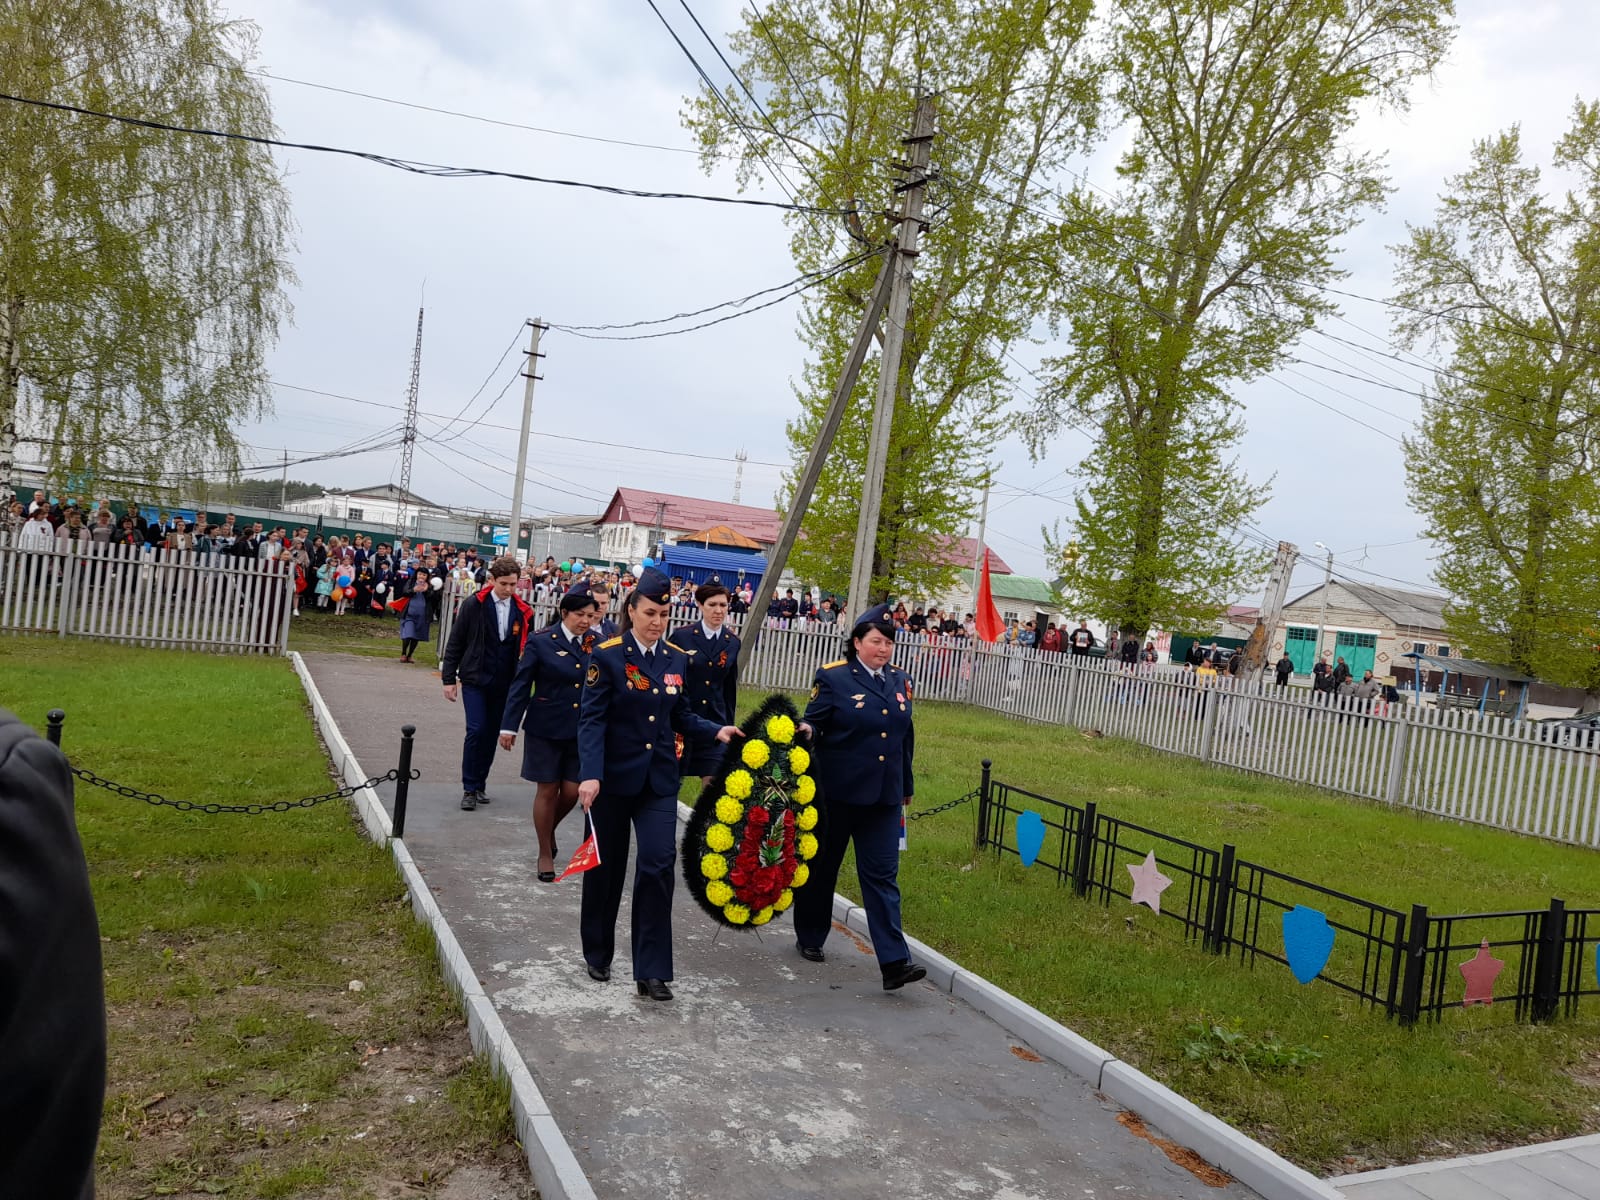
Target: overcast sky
x=487, y=254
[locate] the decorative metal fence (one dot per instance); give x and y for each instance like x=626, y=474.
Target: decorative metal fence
x=141, y=597
x=1408, y=964
x=1456, y=763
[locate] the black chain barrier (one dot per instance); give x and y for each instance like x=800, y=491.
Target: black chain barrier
x=939, y=808
x=157, y=799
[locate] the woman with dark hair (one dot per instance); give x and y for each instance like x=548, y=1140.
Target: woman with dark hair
x=860, y=720
x=713, y=679
x=542, y=705
x=633, y=703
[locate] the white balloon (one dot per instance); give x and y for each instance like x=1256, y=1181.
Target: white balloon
x=381, y=588
x=638, y=569
x=436, y=583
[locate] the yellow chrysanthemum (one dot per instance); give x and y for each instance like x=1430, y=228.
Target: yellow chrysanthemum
x=799, y=760
x=739, y=784
x=720, y=837
x=785, y=898
x=780, y=729
x=729, y=810
x=737, y=914
x=806, y=820
x=755, y=753
x=805, y=789
x=718, y=893
x=714, y=866
x=762, y=917
x=801, y=874
x=806, y=848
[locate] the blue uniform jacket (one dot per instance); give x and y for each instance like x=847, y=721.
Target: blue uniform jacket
x=713, y=679
x=629, y=715
x=547, y=688
x=864, y=735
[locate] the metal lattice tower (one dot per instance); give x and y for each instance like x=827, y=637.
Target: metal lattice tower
x=738, y=473
x=407, y=447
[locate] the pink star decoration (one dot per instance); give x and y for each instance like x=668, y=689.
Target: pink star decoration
x=1148, y=882
x=1480, y=971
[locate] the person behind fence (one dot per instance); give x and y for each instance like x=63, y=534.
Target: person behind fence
x=633, y=703
x=713, y=678
x=52, y=1000
x=544, y=701
x=414, y=602
x=859, y=720
x=479, y=662
x=1283, y=669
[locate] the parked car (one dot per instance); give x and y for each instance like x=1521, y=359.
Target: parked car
x=1581, y=732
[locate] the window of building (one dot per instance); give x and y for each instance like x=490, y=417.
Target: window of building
x=355, y=514
x=1444, y=651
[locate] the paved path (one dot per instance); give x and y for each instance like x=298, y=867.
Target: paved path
x=767, y=1076
x=1566, y=1170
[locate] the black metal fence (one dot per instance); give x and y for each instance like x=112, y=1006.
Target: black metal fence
x=1407, y=963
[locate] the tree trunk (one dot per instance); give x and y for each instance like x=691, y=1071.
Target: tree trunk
x=10, y=391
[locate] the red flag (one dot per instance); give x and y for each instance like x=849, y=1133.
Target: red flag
x=586, y=857
x=990, y=626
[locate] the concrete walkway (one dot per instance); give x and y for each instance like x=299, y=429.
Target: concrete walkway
x=767, y=1076
x=1565, y=1170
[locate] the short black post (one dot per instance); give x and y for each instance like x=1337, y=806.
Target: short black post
x=1219, y=905
x=1083, y=852
x=53, y=722
x=984, y=793
x=1416, y=953
x=1547, y=966
x=402, y=785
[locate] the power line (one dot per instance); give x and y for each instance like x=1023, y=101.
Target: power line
x=487, y=379
x=436, y=170
x=467, y=116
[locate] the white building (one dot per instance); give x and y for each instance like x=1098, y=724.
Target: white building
x=375, y=505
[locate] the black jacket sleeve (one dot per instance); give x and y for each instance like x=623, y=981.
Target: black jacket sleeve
x=52, y=1000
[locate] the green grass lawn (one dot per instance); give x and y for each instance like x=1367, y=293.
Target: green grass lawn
x=1327, y=1082
x=375, y=636
x=241, y=1063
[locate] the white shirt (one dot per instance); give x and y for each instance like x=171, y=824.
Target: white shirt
x=571, y=637
x=648, y=650
x=36, y=535
x=711, y=634
x=502, y=610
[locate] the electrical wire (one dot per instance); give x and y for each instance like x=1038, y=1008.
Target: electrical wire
x=487, y=379
x=436, y=170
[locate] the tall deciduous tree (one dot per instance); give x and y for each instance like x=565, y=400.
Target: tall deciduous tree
x=839, y=80
x=1204, y=267
x=141, y=271
x=1503, y=464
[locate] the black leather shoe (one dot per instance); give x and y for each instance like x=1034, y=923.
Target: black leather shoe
x=656, y=989
x=469, y=801
x=483, y=798
x=897, y=975
x=598, y=974
x=812, y=953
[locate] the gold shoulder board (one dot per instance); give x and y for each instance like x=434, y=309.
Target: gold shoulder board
x=832, y=665
x=606, y=645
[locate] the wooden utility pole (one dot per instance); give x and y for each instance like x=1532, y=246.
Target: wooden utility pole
x=807, y=483
x=531, y=375
x=899, y=307
x=1259, y=647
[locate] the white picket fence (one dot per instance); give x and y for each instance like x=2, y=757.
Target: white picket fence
x=1453, y=762
x=143, y=597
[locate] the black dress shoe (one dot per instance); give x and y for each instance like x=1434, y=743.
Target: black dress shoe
x=469, y=801
x=598, y=974
x=897, y=975
x=483, y=798
x=547, y=876
x=656, y=989
x=812, y=953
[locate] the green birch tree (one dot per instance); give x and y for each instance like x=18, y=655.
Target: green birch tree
x=1503, y=463
x=838, y=80
x=1201, y=270
x=141, y=271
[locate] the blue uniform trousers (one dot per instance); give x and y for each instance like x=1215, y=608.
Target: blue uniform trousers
x=655, y=819
x=875, y=829
x=483, y=706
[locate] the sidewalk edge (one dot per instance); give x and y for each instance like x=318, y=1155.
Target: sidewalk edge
x=555, y=1169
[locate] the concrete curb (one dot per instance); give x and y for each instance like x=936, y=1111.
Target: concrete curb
x=1589, y=1141
x=556, y=1171
x=1252, y=1164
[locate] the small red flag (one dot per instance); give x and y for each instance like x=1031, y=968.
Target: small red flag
x=586, y=857
x=990, y=626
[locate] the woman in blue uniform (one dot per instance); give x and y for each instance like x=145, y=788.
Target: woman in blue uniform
x=544, y=703
x=633, y=703
x=713, y=679
x=859, y=719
